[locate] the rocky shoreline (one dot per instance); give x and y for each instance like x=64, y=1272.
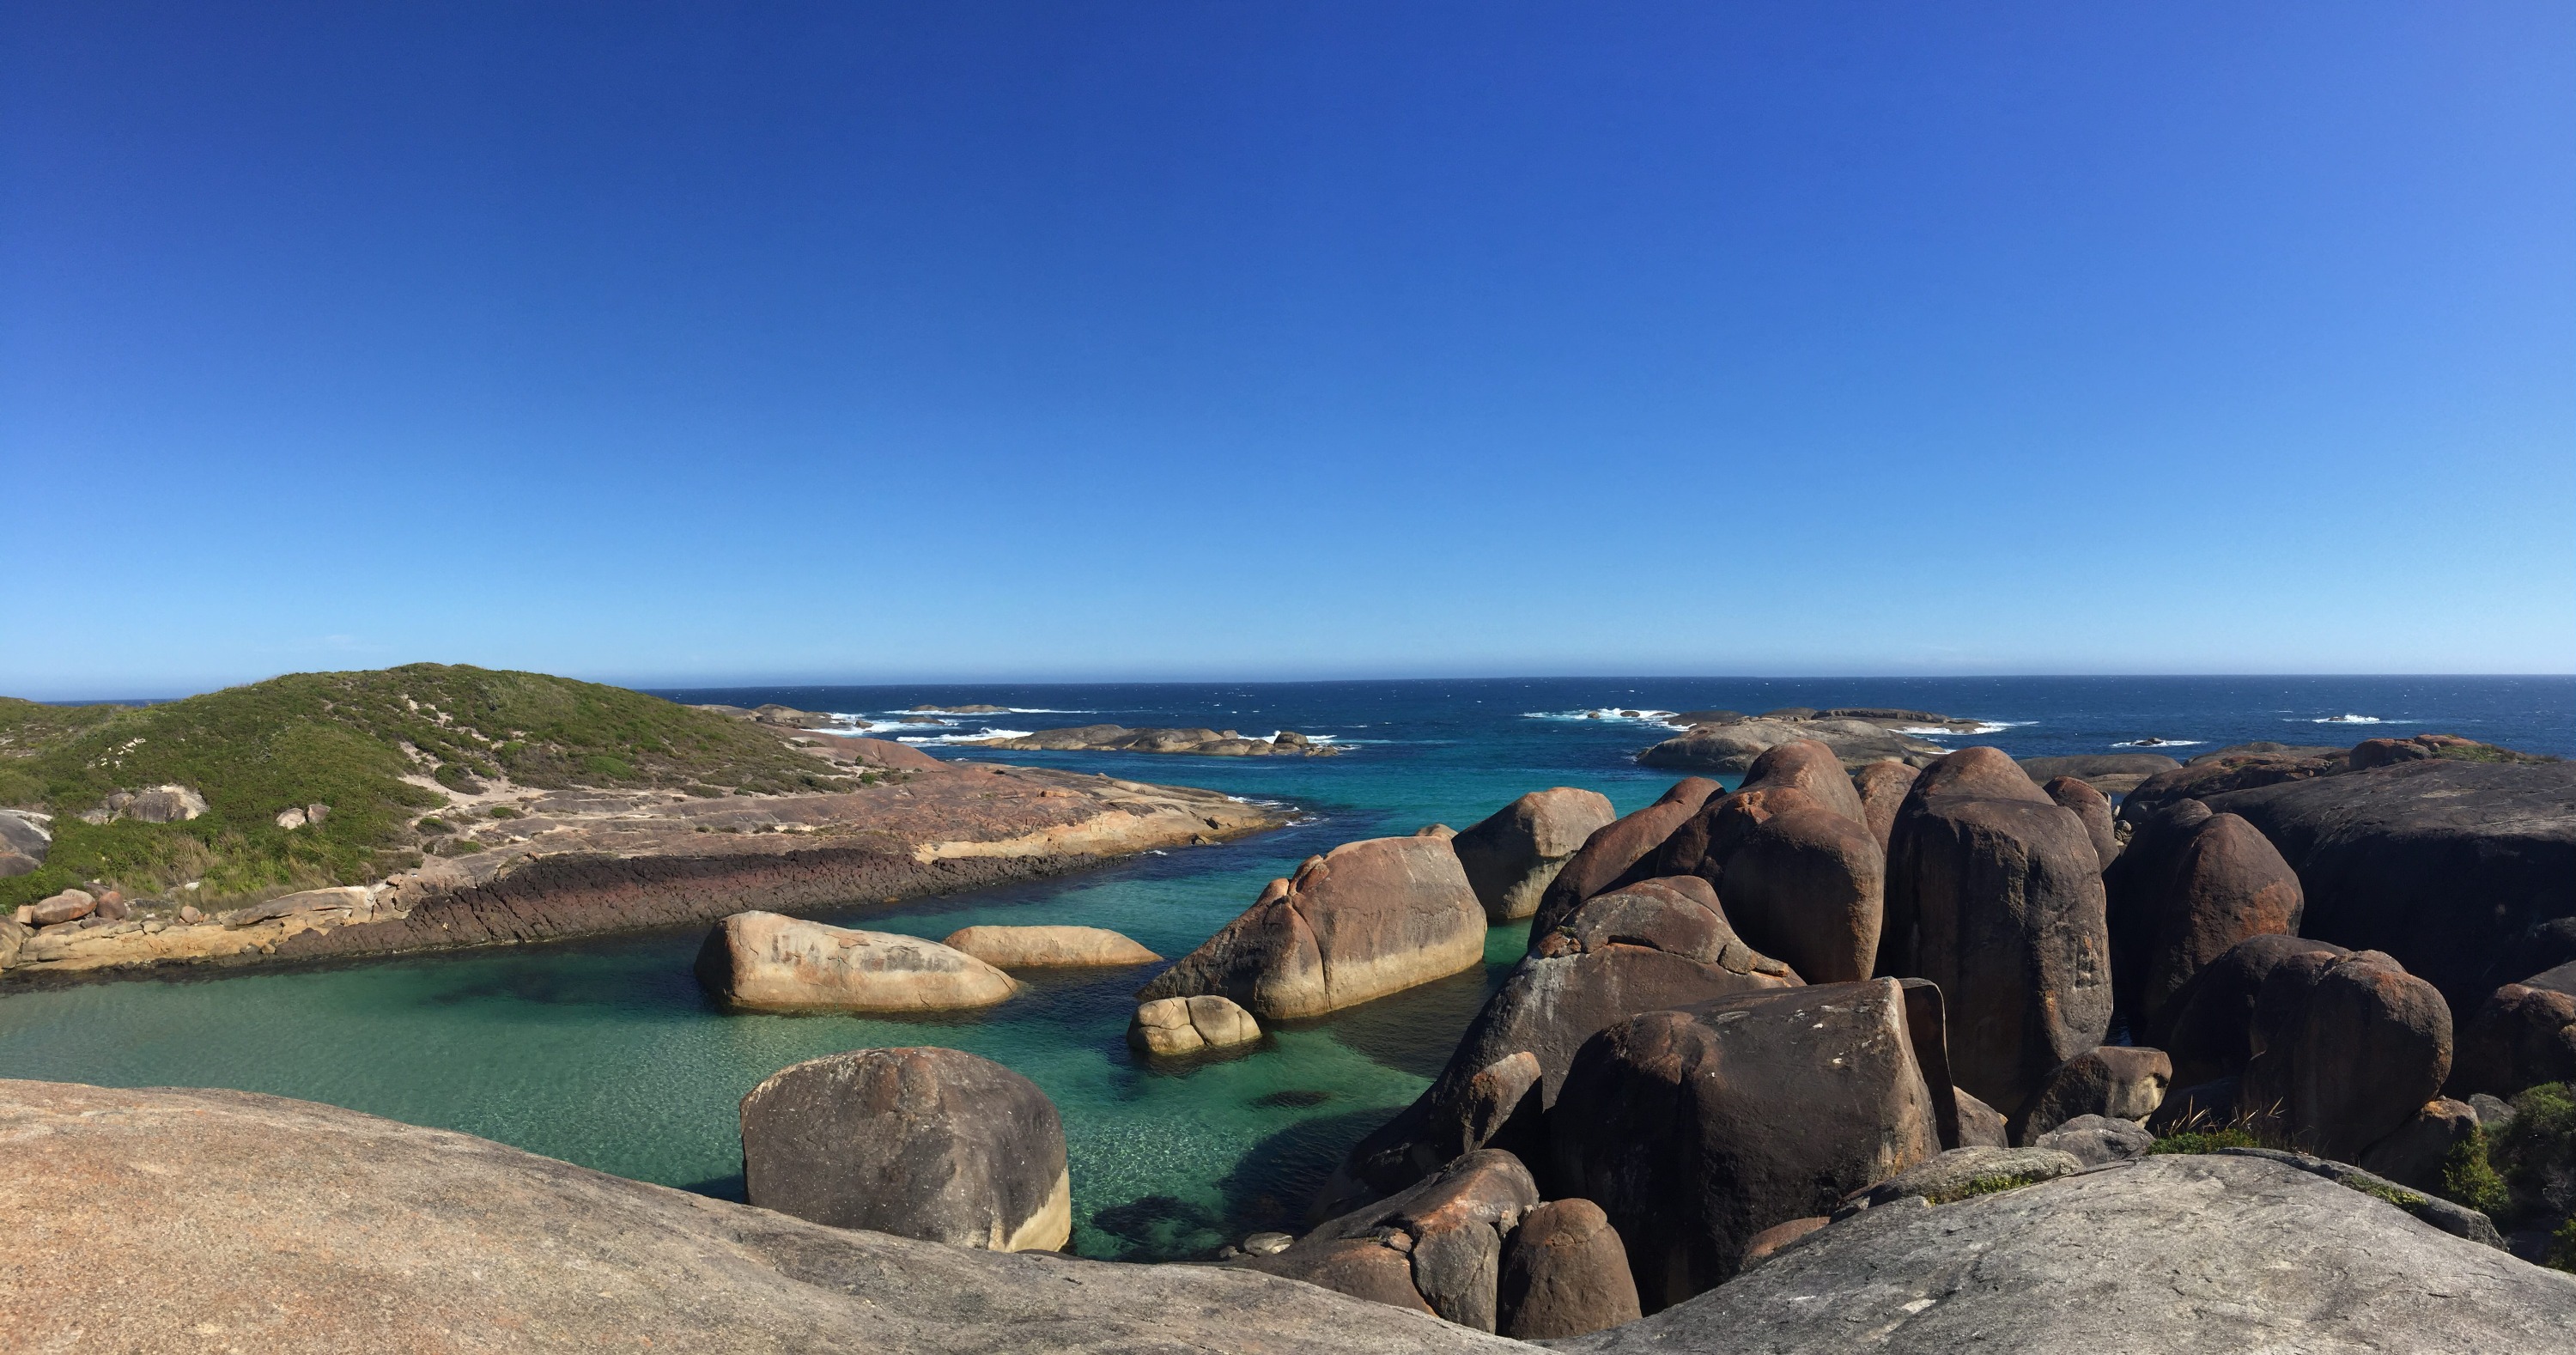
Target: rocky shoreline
x=581, y=863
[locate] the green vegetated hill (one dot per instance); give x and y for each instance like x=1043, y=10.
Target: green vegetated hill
x=346, y=740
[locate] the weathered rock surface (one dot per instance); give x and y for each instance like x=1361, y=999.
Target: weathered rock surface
x=1625, y=850
x=1564, y=1274
x=2243, y=767
x=2202, y=883
x=1359, y=922
x=386, y=1237
x=2211, y=1033
x=2121, y=1082
x=1810, y=766
x=1118, y=738
x=1808, y=885
x=769, y=962
x=1960, y=1173
x=929, y=1143
x=2198, y=1255
x=1048, y=947
x=1882, y=786
x=2443, y=864
x=1696, y=1129
x=1980, y=1125
x=71, y=905
x=2090, y=805
x=1652, y=945
x=1733, y=746
x=1187, y=1025
x=2524, y=1034
x=153, y=804
x=2345, y=1049
x=2098, y=1140
x=1436, y=1247
x=1512, y=856
x=2413, y=1153
x=1994, y=892
x=2109, y=773
x=584, y=862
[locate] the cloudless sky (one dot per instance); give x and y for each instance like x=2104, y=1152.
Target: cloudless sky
x=691, y=343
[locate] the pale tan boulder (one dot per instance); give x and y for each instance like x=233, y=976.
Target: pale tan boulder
x=1364, y=920
x=768, y=962
x=1186, y=1025
x=1048, y=947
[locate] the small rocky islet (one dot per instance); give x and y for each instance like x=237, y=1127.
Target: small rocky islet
x=1895, y=1056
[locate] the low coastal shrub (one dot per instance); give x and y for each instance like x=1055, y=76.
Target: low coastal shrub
x=2470, y=1179
x=504, y=812
x=345, y=740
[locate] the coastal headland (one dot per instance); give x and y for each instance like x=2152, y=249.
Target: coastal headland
x=330, y=815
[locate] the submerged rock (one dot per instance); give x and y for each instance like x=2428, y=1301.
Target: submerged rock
x=766, y=962
x=929, y=1143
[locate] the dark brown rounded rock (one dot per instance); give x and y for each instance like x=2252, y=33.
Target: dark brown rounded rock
x=2413, y=1154
x=2222, y=882
x=2345, y=1049
x=918, y=1142
x=1994, y=892
x=1882, y=787
x=1809, y=766
x=1769, y=1241
x=1447, y=1229
x=2094, y=808
x=1698, y=1128
x=1808, y=885
x=1611, y=854
x=1564, y=1274
x=2210, y=1034
x=2524, y=1034
x=2121, y=1082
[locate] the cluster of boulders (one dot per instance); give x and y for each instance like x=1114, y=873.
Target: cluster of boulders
x=1740, y=1011
x=1119, y=738
x=153, y=804
x=1724, y=741
x=25, y=836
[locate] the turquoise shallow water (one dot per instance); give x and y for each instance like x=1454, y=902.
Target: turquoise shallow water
x=603, y=1052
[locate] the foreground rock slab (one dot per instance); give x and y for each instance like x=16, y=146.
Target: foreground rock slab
x=391, y=1238
x=2179, y=1253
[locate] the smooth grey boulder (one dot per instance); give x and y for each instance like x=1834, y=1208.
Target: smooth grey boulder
x=1514, y=854
x=390, y=1237
x=931, y=1143
x=2186, y=1254
x=2098, y=1140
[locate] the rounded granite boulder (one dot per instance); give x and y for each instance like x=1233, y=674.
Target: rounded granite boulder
x=1048, y=947
x=768, y=962
x=931, y=1143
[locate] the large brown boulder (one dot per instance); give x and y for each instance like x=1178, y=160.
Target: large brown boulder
x=1613, y=854
x=1696, y=1129
x=1994, y=893
x=1811, y=767
x=767, y=962
x=1659, y=943
x=1442, y=1242
x=1882, y=787
x=2445, y=864
x=929, y=1143
x=2345, y=1049
x=1564, y=1274
x=2119, y=1082
x=390, y=1237
x=2109, y=773
x=1807, y=885
x=1359, y=922
x=2093, y=807
x=2524, y=1034
x=1514, y=854
x=1190, y=1025
x=2210, y=1034
x=2217, y=882
x=1048, y=947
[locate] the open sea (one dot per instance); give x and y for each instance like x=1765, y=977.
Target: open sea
x=604, y=1053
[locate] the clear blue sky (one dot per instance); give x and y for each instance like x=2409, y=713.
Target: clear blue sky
x=700, y=342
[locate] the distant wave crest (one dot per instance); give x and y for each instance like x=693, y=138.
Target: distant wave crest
x=2161, y=743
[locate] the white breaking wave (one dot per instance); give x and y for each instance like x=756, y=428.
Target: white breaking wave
x=1628, y=714
x=2161, y=743
x=977, y=736
x=2347, y=720
x=1983, y=727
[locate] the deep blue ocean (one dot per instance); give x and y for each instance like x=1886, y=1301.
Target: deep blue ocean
x=603, y=1052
